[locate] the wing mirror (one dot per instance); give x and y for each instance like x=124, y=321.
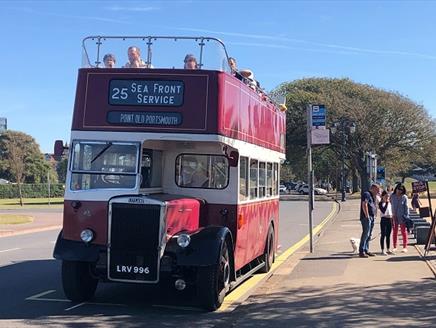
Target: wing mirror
x=233, y=158
x=59, y=148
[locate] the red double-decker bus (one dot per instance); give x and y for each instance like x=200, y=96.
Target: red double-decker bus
x=173, y=173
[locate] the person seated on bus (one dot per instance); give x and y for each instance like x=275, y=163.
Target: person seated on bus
x=190, y=62
x=249, y=78
x=135, y=61
x=199, y=177
x=232, y=64
x=234, y=68
x=109, y=61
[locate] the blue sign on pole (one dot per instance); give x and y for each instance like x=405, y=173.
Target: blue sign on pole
x=318, y=116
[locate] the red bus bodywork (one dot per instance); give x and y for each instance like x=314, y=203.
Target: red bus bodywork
x=217, y=109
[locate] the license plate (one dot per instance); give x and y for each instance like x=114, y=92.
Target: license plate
x=132, y=267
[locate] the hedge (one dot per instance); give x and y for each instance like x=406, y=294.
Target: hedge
x=35, y=190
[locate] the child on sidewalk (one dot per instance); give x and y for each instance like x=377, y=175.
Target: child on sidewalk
x=385, y=222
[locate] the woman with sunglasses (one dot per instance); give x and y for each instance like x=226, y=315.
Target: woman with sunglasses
x=400, y=212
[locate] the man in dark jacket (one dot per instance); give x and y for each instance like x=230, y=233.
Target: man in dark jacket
x=368, y=211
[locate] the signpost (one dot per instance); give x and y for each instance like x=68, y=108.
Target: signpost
x=317, y=134
x=422, y=186
x=3, y=124
x=381, y=175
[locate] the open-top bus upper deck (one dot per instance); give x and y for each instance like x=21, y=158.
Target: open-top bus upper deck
x=168, y=99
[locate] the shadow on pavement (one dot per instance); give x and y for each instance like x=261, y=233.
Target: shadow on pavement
x=403, y=303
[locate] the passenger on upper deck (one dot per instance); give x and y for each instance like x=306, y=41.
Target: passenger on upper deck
x=190, y=62
x=232, y=64
x=109, y=61
x=234, y=68
x=135, y=61
x=249, y=76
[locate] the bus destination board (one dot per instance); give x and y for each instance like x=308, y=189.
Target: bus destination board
x=146, y=93
x=144, y=118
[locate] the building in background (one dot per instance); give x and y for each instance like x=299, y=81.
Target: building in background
x=3, y=124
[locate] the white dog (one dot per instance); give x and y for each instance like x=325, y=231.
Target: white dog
x=355, y=244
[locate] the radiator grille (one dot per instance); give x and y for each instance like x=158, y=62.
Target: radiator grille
x=134, y=242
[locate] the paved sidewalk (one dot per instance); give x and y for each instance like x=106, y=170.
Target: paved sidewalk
x=43, y=219
x=335, y=288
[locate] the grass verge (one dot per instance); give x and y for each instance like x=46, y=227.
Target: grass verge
x=40, y=203
x=15, y=219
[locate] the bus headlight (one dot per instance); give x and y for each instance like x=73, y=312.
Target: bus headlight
x=87, y=235
x=183, y=240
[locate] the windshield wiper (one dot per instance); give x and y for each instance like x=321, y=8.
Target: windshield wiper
x=102, y=151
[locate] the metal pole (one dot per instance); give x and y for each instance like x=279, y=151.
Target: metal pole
x=48, y=183
x=309, y=174
x=343, y=162
x=429, y=199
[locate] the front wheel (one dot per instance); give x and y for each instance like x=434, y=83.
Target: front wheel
x=268, y=255
x=213, y=281
x=78, y=283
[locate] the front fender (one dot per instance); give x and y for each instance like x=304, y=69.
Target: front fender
x=203, y=249
x=71, y=250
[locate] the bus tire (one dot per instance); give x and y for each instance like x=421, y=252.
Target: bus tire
x=213, y=282
x=78, y=283
x=268, y=255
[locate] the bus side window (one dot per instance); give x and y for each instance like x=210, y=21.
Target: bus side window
x=243, y=178
x=262, y=177
x=275, y=179
x=269, y=179
x=253, y=178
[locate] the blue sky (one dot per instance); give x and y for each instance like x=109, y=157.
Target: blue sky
x=388, y=44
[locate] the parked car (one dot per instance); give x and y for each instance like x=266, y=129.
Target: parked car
x=290, y=185
x=319, y=191
x=282, y=189
x=304, y=190
x=298, y=186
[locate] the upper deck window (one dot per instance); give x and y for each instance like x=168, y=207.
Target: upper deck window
x=202, y=171
x=155, y=52
x=102, y=165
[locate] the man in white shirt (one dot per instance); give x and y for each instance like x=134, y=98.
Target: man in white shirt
x=135, y=61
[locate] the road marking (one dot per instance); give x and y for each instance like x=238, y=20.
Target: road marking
x=38, y=297
x=237, y=296
x=9, y=250
x=75, y=306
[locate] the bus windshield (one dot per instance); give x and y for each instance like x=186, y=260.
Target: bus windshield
x=155, y=52
x=102, y=165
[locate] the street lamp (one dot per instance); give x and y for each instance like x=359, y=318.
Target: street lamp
x=342, y=125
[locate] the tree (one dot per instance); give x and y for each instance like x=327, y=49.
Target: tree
x=396, y=128
x=61, y=169
x=21, y=158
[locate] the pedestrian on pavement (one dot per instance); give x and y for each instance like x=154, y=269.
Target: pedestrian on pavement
x=385, y=222
x=368, y=211
x=416, y=203
x=400, y=212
